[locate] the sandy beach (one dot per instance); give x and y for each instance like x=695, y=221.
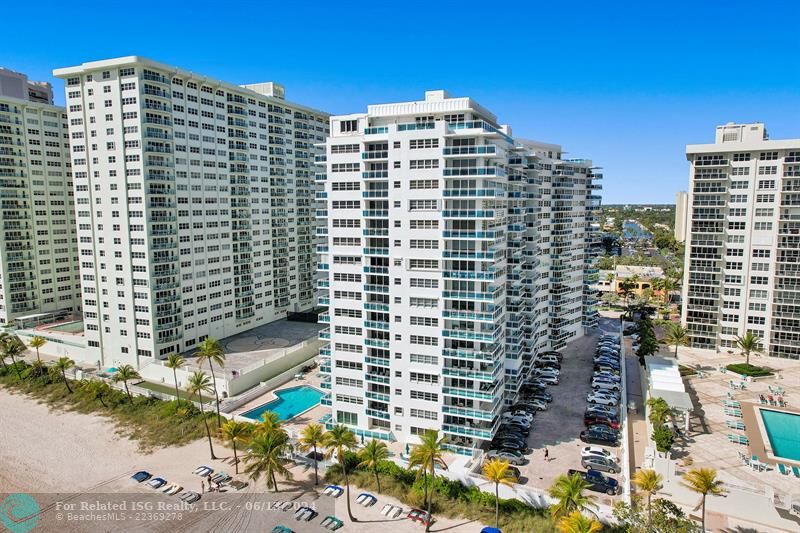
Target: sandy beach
x=66, y=459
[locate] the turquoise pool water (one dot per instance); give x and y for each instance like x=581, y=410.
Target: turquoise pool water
x=290, y=403
x=783, y=430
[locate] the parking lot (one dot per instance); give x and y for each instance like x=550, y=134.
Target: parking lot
x=558, y=428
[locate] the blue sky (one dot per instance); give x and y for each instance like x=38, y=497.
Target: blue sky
x=627, y=84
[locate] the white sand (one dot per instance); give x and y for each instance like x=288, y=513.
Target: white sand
x=64, y=452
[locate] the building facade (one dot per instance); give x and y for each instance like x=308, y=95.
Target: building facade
x=743, y=241
x=38, y=244
x=193, y=200
x=681, y=205
x=452, y=256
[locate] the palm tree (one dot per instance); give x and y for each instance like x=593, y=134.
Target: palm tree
x=336, y=441
x=371, y=456
x=37, y=342
x=748, y=343
x=649, y=482
x=498, y=472
x=36, y=370
x=311, y=438
x=703, y=481
x=569, y=491
x=62, y=365
x=575, y=522
x=13, y=347
x=96, y=389
x=236, y=432
x=211, y=350
x=199, y=383
x=124, y=374
x=270, y=421
x=427, y=455
x=175, y=361
x=3, y=337
x=676, y=335
x=265, y=457
x=669, y=285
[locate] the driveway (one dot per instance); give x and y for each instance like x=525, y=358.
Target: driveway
x=558, y=428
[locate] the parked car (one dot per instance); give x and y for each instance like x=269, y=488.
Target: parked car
x=423, y=517
x=534, y=384
x=525, y=408
x=543, y=395
x=512, y=444
x=593, y=419
x=613, y=368
x=600, y=435
x=539, y=405
x=557, y=355
x=547, y=364
x=597, y=481
x=515, y=458
x=607, y=372
x=604, y=383
x=600, y=398
x=541, y=372
x=550, y=380
x=600, y=463
x=519, y=420
x=596, y=451
x=601, y=410
x=512, y=413
x=518, y=428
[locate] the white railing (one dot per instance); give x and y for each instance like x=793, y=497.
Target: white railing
x=627, y=448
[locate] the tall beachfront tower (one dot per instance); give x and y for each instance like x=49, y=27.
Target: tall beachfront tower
x=39, y=279
x=193, y=200
x=432, y=268
x=743, y=241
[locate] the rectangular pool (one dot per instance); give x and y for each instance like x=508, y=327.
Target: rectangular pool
x=783, y=430
x=290, y=403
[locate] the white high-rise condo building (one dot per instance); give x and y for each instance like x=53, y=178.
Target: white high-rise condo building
x=193, y=200
x=454, y=255
x=742, y=269
x=39, y=278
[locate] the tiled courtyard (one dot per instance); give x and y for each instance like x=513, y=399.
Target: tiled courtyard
x=707, y=441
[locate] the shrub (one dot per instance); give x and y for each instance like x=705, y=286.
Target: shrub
x=749, y=370
x=663, y=438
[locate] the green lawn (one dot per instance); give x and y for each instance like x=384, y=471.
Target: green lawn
x=166, y=389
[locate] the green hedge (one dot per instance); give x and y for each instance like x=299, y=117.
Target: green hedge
x=749, y=370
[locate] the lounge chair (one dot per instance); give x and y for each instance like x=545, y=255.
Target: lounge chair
x=221, y=477
x=331, y=522
x=203, y=470
x=744, y=440
x=796, y=471
x=332, y=490
x=397, y=511
x=174, y=490
x=281, y=529
x=305, y=514
x=368, y=500
x=387, y=509
x=782, y=469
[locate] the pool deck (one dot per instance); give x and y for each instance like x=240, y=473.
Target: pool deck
x=261, y=344
x=707, y=443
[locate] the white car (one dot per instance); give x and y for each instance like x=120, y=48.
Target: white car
x=596, y=451
x=606, y=376
x=548, y=379
x=515, y=458
x=538, y=404
x=521, y=420
x=539, y=372
x=601, y=398
x=605, y=383
x=516, y=414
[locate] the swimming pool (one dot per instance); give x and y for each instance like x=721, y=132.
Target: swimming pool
x=783, y=430
x=290, y=403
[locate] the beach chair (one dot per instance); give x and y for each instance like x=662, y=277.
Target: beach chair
x=387, y=509
x=361, y=497
x=369, y=501
x=732, y=437
x=782, y=469
x=796, y=471
x=744, y=440
x=285, y=506
x=396, y=512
